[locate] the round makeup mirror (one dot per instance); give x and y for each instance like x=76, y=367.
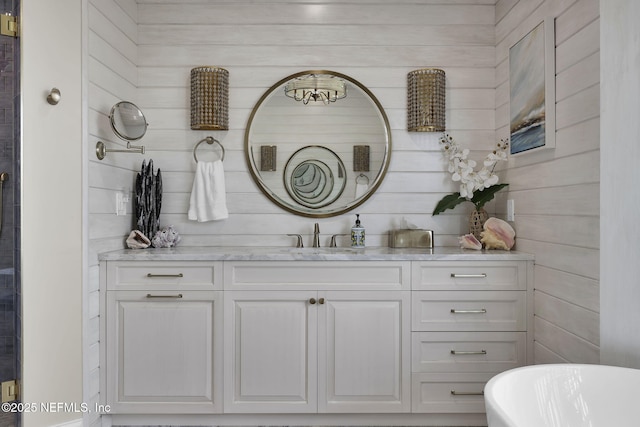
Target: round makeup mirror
x=129, y=124
x=127, y=121
x=318, y=143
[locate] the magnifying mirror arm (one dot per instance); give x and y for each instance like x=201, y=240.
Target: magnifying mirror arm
x=102, y=150
x=135, y=148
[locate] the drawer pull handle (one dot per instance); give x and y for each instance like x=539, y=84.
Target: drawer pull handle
x=480, y=311
x=321, y=301
x=164, y=296
x=464, y=353
x=467, y=393
x=469, y=276
x=312, y=301
x=165, y=275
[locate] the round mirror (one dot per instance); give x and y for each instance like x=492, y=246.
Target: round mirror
x=318, y=143
x=127, y=121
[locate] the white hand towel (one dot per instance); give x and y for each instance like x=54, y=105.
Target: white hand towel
x=361, y=189
x=208, y=197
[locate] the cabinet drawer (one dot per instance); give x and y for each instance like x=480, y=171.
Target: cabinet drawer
x=325, y=275
x=469, y=311
x=490, y=352
x=470, y=275
x=164, y=275
x=448, y=393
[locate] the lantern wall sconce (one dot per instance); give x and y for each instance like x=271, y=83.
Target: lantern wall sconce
x=268, y=157
x=209, y=98
x=426, y=100
x=361, y=158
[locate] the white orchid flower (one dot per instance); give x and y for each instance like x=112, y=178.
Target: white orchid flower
x=462, y=168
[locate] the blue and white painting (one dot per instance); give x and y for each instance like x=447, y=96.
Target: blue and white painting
x=527, y=89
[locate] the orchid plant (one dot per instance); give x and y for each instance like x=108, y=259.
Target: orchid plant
x=476, y=187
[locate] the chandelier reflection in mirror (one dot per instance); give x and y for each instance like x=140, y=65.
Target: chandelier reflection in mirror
x=316, y=87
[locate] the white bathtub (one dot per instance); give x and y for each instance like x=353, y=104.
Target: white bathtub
x=566, y=395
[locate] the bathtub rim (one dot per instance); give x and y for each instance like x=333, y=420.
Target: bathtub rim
x=489, y=394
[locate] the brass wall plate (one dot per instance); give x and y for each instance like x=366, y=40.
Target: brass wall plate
x=8, y=25
x=10, y=391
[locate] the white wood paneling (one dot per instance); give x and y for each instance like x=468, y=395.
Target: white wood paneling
x=619, y=232
x=320, y=35
x=556, y=193
x=570, y=317
x=377, y=44
x=321, y=13
x=112, y=76
x=566, y=345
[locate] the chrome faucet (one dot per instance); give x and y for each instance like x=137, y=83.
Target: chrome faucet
x=316, y=235
x=333, y=240
x=299, y=243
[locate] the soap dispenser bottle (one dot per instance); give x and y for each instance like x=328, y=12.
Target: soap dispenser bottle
x=357, y=234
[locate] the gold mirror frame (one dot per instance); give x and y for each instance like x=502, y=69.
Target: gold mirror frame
x=326, y=211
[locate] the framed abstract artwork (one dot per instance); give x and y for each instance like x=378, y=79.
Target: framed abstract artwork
x=532, y=100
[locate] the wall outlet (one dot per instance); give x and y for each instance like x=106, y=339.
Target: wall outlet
x=511, y=210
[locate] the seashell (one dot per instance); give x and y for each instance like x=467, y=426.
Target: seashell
x=497, y=234
x=469, y=241
x=137, y=240
x=166, y=238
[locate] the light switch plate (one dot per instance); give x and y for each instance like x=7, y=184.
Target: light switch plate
x=121, y=204
x=511, y=210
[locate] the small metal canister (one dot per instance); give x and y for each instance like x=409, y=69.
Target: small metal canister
x=411, y=238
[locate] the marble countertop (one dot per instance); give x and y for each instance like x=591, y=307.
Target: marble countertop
x=251, y=253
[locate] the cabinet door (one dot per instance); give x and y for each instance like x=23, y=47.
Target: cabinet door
x=364, y=361
x=270, y=351
x=164, y=351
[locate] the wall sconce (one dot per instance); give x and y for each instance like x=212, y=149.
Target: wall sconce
x=426, y=100
x=361, y=158
x=268, y=157
x=209, y=98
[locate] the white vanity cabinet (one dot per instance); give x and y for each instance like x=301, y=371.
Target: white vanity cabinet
x=307, y=337
x=469, y=322
x=371, y=337
x=163, y=331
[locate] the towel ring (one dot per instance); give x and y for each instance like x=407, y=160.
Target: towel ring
x=209, y=140
x=362, y=176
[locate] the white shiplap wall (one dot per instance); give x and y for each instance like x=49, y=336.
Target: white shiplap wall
x=556, y=193
x=113, y=76
x=260, y=42
x=143, y=52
